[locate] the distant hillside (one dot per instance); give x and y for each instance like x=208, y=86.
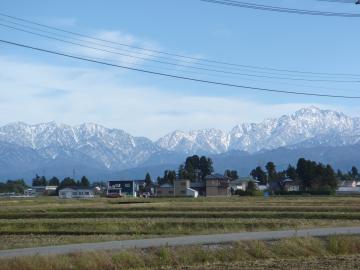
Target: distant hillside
x=102, y=153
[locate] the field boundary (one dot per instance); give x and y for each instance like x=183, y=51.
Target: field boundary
x=177, y=241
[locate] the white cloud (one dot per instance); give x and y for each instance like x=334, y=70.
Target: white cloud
x=34, y=92
x=113, y=51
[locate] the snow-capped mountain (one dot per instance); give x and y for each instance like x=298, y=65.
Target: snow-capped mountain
x=58, y=148
x=203, y=141
x=309, y=126
x=113, y=148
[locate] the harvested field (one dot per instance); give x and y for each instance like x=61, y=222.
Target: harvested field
x=50, y=221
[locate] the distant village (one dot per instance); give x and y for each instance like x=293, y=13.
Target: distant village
x=196, y=177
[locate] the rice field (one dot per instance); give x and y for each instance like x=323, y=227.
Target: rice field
x=51, y=221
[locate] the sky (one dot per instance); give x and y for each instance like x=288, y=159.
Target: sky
x=36, y=87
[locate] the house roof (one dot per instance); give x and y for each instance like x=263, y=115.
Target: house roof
x=244, y=180
x=127, y=180
x=166, y=185
x=197, y=184
x=76, y=188
x=216, y=176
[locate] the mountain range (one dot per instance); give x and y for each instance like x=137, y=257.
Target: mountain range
x=101, y=153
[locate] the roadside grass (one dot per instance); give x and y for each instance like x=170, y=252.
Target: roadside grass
x=315, y=252
x=49, y=220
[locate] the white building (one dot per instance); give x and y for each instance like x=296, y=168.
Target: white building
x=76, y=193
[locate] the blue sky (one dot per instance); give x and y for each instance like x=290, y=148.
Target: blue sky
x=38, y=88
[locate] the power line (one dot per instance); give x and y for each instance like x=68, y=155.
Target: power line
x=180, y=65
x=179, y=55
x=146, y=54
x=186, y=71
x=339, y=1
x=139, y=52
x=281, y=9
x=175, y=76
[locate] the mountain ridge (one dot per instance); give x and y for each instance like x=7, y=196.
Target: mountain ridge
x=56, y=147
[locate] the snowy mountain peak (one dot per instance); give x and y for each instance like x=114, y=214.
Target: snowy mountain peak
x=310, y=123
x=114, y=149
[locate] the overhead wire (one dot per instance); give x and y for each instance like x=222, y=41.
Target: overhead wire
x=156, y=56
x=179, y=64
x=228, y=64
x=176, y=76
x=281, y=9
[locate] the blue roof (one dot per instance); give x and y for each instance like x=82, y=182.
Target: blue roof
x=166, y=185
x=216, y=176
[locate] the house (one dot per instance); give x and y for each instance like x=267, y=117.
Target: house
x=290, y=185
x=199, y=186
x=242, y=183
x=285, y=185
x=165, y=190
x=119, y=188
x=182, y=189
x=348, y=188
x=217, y=185
x=29, y=192
x=43, y=190
x=76, y=193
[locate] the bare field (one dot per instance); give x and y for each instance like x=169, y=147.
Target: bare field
x=50, y=221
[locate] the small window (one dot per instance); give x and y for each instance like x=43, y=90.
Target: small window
x=87, y=193
x=127, y=185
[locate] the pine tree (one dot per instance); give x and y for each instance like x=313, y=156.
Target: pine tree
x=291, y=172
x=354, y=172
x=259, y=175
x=54, y=181
x=84, y=182
x=148, y=181
x=68, y=182
x=271, y=171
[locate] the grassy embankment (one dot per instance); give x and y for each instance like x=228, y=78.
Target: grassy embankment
x=50, y=221
x=335, y=252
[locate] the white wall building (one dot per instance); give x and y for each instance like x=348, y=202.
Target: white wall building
x=76, y=193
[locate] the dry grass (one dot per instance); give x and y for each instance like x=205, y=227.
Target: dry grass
x=337, y=252
x=50, y=221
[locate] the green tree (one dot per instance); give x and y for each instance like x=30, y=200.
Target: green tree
x=168, y=178
x=251, y=188
x=271, y=171
x=354, y=172
x=84, y=182
x=291, y=172
x=259, y=175
x=17, y=186
x=206, y=166
x=68, y=182
x=39, y=181
x=54, y=181
x=148, y=181
x=182, y=172
x=233, y=174
x=196, y=168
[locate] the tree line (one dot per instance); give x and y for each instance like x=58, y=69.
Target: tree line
x=66, y=182
x=16, y=186
x=195, y=168
x=310, y=174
